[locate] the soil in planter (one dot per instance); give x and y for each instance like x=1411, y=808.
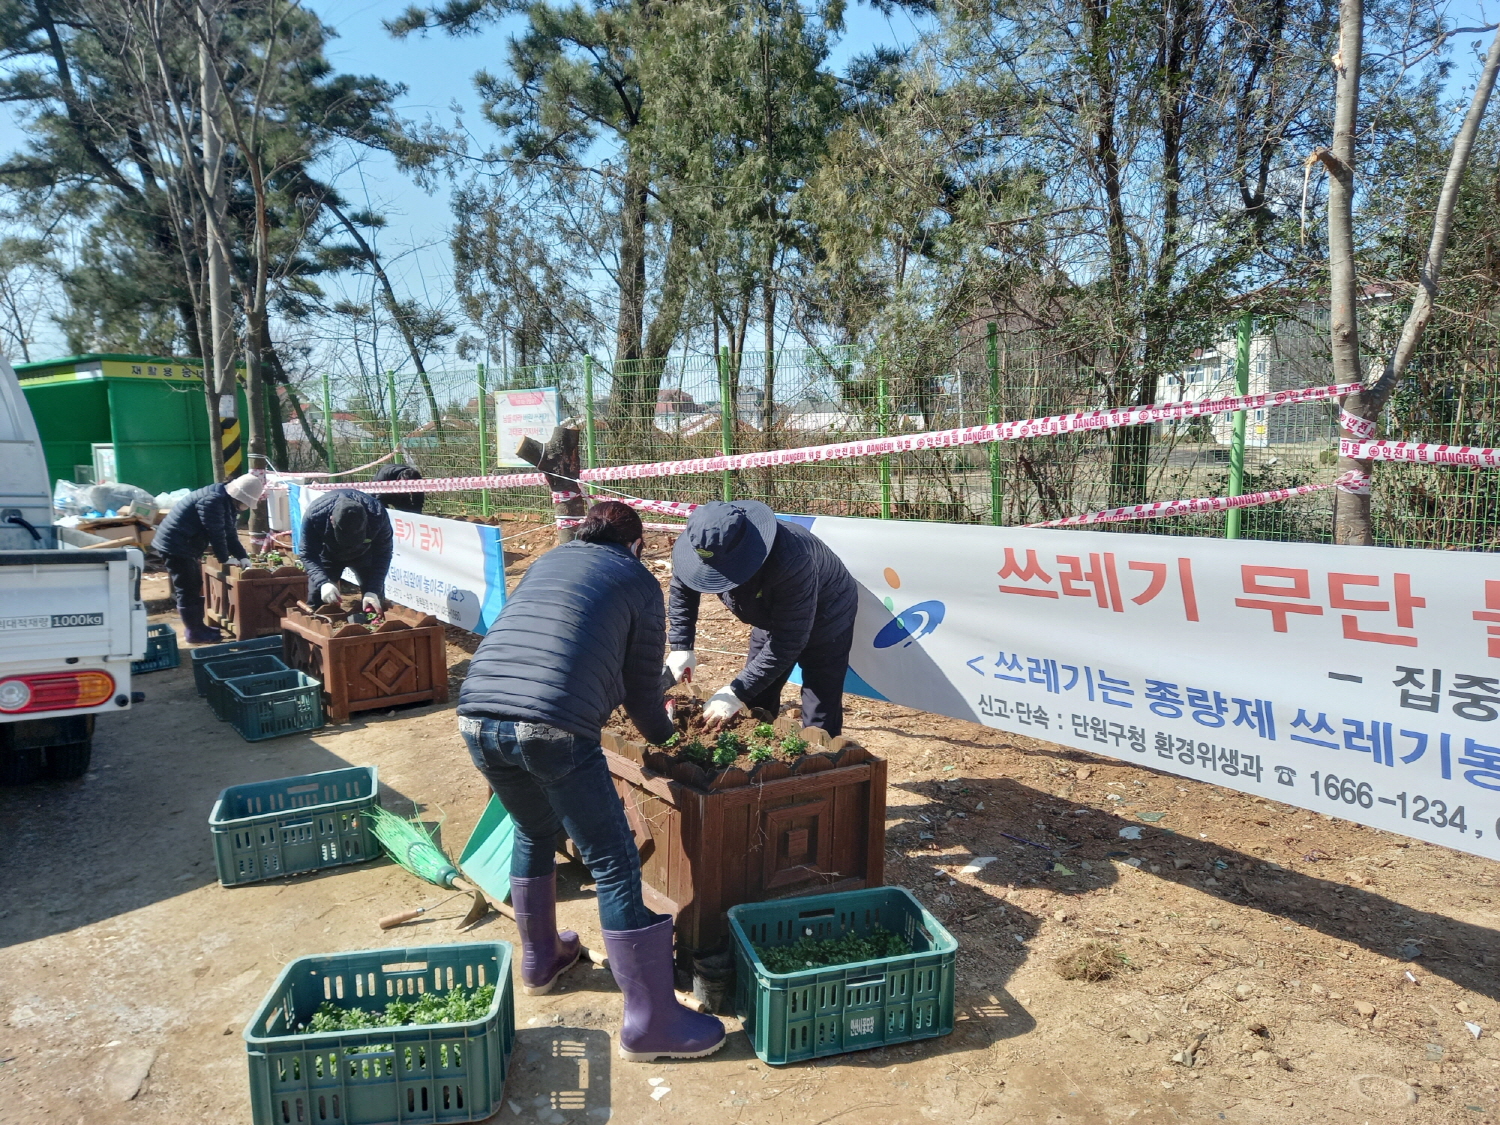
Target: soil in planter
x=272, y=559
x=745, y=741
x=453, y=1007
x=808, y=953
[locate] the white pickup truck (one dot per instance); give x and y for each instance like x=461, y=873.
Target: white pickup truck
x=71, y=621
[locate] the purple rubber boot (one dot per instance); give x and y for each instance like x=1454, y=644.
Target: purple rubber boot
x=195, y=632
x=545, y=953
x=656, y=1024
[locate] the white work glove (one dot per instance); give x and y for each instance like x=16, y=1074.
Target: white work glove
x=372, y=603
x=722, y=706
x=329, y=593
x=244, y=564
x=681, y=663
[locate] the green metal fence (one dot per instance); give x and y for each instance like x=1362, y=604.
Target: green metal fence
x=675, y=409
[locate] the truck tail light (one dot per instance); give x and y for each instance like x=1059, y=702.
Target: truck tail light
x=55, y=691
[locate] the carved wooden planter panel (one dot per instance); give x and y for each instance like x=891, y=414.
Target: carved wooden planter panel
x=403, y=660
x=252, y=602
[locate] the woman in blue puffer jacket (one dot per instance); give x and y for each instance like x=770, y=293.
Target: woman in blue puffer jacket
x=583, y=633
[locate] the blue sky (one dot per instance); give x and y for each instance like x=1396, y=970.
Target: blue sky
x=438, y=72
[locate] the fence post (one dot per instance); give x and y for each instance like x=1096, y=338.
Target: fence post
x=484, y=442
x=1237, y=439
x=992, y=415
x=588, y=412
x=883, y=405
x=328, y=427
x=390, y=378
x=726, y=418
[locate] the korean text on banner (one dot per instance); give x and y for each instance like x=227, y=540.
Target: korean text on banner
x=523, y=414
x=1357, y=681
x=449, y=568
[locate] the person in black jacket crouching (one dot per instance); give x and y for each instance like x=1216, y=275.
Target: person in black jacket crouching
x=346, y=528
x=784, y=582
x=583, y=633
x=401, y=501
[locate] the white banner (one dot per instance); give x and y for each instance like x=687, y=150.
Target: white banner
x=523, y=414
x=1355, y=681
x=451, y=569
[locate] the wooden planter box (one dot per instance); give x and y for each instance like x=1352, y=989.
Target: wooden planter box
x=712, y=840
x=252, y=602
x=404, y=660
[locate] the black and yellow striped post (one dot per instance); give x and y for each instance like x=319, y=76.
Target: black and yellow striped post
x=229, y=437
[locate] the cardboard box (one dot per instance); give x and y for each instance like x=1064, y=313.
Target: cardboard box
x=121, y=531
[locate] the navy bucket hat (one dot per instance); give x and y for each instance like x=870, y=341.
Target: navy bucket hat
x=724, y=544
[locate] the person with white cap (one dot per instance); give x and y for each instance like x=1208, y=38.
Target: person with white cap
x=782, y=580
x=204, y=520
x=346, y=528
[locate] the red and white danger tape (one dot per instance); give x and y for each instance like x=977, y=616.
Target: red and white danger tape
x=1359, y=427
x=1184, y=507
x=1421, y=452
x=974, y=435
x=278, y=477
x=899, y=443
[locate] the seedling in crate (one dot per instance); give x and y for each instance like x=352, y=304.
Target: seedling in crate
x=429, y=1008
x=794, y=746
x=764, y=731
x=760, y=754
x=810, y=953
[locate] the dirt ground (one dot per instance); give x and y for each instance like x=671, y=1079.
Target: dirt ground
x=1305, y=969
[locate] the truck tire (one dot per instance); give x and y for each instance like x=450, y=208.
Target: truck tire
x=20, y=765
x=70, y=761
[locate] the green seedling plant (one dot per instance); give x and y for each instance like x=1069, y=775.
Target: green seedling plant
x=694, y=751
x=810, y=953
x=456, y=1006
x=764, y=731
x=730, y=741
x=794, y=746
x=673, y=741
x=761, y=753
x=724, y=756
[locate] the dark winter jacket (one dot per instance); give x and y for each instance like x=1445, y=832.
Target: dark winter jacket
x=201, y=520
x=801, y=589
x=322, y=559
x=402, y=501
x=582, y=633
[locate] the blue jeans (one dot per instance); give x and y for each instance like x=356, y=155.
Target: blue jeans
x=550, y=780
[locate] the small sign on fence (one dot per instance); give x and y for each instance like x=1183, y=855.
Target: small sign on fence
x=523, y=414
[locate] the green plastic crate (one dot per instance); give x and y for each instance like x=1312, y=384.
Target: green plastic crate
x=221, y=671
x=437, y=1072
x=271, y=704
x=161, y=651
x=827, y=1011
x=268, y=829
x=205, y=655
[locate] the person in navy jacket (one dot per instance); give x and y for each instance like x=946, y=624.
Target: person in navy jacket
x=201, y=521
x=784, y=582
x=346, y=528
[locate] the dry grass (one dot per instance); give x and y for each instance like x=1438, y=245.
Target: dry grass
x=1091, y=961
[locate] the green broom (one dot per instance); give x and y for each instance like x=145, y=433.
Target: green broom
x=410, y=845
